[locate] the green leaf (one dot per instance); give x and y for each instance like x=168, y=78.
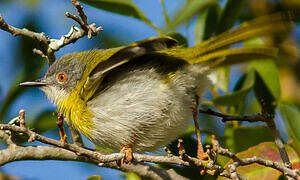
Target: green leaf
x=223, y=77
x=268, y=151
x=262, y=92
x=123, y=7
x=44, y=121
x=267, y=85
x=206, y=23
x=204, y=28
x=108, y=150
x=228, y=135
x=235, y=98
x=167, y=20
x=132, y=176
x=182, y=41
x=32, y=3
x=191, y=8
x=229, y=15
x=291, y=114
x=245, y=137
x=268, y=71
x=94, y=177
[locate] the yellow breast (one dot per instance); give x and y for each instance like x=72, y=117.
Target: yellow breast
x=76, y=112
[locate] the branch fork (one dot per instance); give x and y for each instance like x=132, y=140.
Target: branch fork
x=49, y=46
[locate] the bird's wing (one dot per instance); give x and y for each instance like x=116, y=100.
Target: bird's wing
x=123, y=56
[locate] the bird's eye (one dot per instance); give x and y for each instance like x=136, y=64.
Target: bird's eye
x=61, y=77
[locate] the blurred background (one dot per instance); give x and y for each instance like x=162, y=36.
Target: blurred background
x=18, y=63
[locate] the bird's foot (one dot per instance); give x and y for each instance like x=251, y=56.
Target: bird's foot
x=205, y=156
x=202, y=155
x=128, y=158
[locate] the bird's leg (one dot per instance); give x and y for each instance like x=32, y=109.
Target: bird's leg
x=127, y=150
x=200, y=151
x=60, y=125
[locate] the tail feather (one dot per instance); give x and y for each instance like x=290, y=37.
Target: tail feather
x=213, y=49
x=234, y=56
x=252, y=28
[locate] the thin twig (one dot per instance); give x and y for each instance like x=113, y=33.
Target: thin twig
x=22, y=118
x=264, y=116
x=49, y=46
x=271, y=124
x=60, y=125
x=225, y=118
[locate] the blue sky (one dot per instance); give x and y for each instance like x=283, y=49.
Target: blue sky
x=50, y=16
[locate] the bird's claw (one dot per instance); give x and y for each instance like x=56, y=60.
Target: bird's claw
x=128, y=158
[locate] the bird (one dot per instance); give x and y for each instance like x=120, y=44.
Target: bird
x=139, y=97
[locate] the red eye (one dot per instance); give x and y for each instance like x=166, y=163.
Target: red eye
x=61, y=77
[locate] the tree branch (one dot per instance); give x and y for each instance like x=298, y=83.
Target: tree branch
x=264, y=116
x=19, y=153
x=65, y=151
x=225, y=118
x=103, y=158
x=49, y=46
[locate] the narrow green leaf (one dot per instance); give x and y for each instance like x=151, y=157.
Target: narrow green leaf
x=263, y=93
x=229, y=15
x=132, y=176
x=235, y=98
x=228, y=18
x=182, y=41
x=267, y=85
x=268, y=71
x=32, y=3
x=228, y=135
x=123, y=7
x=167, y=20
x=191, y=8
x=94, y=177
x=206, y=23
x=108, y=150
x=223, y=77
x=291, y=114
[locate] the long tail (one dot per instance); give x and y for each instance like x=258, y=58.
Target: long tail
x=215, y=51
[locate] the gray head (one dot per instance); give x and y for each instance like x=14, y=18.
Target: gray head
x=61, y=78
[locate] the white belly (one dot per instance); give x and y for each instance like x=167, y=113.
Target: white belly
x=144, y=110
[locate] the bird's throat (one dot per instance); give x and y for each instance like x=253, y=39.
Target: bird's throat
x=77, y=113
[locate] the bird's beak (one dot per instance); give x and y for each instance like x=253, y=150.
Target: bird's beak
x=36, y=83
